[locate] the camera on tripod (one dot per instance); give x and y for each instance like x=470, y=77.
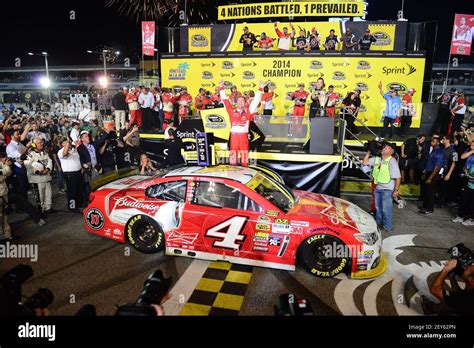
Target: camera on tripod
x=11, y=294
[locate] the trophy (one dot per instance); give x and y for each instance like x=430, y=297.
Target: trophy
x=323, y=97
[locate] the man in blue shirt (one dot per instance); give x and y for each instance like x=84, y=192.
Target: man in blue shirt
x=11, y=107
x=431, y=176
x=392, y=110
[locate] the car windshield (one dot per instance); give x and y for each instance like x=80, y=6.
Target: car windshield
x=272, y=191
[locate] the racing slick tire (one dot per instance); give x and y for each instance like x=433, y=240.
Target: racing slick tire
x=315, y=255
x=145, y=234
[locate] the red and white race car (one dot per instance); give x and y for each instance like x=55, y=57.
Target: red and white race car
x=239, y=215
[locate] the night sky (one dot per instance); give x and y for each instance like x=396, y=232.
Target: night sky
x=35, y=26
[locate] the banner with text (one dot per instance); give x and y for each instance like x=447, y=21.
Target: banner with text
x=462, y=34
x=344, y=73
x=148, y=38
x=292, y=9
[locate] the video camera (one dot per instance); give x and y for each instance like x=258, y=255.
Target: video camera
x=464, y=255
x=10, y=294
x=375, y=146
x=155, y=287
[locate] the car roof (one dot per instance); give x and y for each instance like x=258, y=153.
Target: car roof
x=240, y=174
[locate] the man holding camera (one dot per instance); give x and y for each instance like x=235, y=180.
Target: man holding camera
x=71, y=167
x=456, y=300
x=39, y=166
x=387, y=179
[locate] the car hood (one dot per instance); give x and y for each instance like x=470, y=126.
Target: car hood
x=329, y=210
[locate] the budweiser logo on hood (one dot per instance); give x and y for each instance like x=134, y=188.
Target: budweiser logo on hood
x=130, y=202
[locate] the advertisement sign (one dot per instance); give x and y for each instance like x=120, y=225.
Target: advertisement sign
x=329, y=8
x=148, y=38
x=202, y=149
x=362, y=71
x=199, y=39
x=462, y=34
x=216, y=121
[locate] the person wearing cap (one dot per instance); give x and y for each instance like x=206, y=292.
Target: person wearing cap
x=313, y=40
x=234, y=95
x=120, y=107
x=247, y=39
x=39, y=167
x=301, y=41
x=443, y=118
x=265, y=42
x=349, y=41
x=201, y=100
x=393, y=104
x=366, y=41
x=407, y=112
x=89, y=162
x=387, y=179
x=299, y=97
x=284, y=38
x=457, y=112
x=332, y=42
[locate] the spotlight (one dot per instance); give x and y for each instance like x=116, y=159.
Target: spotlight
x=45, y=82
x=103, y=81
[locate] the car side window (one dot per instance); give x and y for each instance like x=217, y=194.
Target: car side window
x=168, y=191
x=214, y=194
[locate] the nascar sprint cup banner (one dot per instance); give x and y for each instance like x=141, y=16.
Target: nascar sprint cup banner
x=290, y=8
x=390, y=35
x=364, y=71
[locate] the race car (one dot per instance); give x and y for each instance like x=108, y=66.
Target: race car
x=237, y=214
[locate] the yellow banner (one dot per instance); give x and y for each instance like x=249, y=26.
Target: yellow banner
x=322, y=28
x=292, y=9
x=216, y=121
x=385, y=35
x=199, y=39
x=344, y=73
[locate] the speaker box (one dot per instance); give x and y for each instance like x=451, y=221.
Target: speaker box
x=321, y=136
x=428, y=118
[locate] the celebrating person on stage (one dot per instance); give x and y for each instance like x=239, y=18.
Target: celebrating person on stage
x=134, y=107
x=267, y=100
x=301, y=41
x=202, y=100
x=391, y=110
x=318, y=100
x=284, y=37
x=366, y=41
x=299, y=97
x=407, y=112
x=333, y=99
x=216, y=98
x=349, y=109
x=265, y=43
x=240, y=124
x=313, y=40
x=247, y=39
x=234, y=95
x=185, y=101
x=332, y=41
x=168, y=107
x=349, y=41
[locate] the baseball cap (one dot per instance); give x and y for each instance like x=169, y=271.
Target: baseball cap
x=84, y=132
x=392, y=145
x=300, y=84
x=412, y=90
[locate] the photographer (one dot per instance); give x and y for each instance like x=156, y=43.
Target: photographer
x=88, y=156
x=39, y=167
x=410, y=153
x=455, y=301
x=109, y=147
x=466, y=203
x=386, y=176
x=17, y=152
x=5, y=171
x=130, y=136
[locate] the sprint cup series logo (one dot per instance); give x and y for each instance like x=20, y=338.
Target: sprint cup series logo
x=199, y=40
x=215, y=122
x=227, y=65
x=338, y=75
x=362, y=86
x=207, y=75
x=315, y=64
x=383, y=39
x=363, y=65
x=248, y=75
x=397, y=86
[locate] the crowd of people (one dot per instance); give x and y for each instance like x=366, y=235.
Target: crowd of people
x=286, y=40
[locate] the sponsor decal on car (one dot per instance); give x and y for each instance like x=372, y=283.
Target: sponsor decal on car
x=117, y=232
x=263, y=227
x=260, y=249
x=274, y=241
x=263, y=219
x=186, y=238
x=95, y=219
x=325, y=228
x=296, y=230
x=300, y=223
x=262, y=235
x=280, y=228
x=271, y=213
x=130, y=202
x=281, y=221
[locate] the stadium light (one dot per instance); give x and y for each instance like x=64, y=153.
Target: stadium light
x=103, y=81
x=45, y=82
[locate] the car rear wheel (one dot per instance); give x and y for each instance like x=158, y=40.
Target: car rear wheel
x=145, y=234
x=323, y=255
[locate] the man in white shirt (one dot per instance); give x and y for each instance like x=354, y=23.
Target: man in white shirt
x=16, y=150
x=147, y=101
x=71, y=167
x=74, y=135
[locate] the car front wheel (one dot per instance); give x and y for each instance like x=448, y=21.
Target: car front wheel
x=145, y=234
x=323, y=255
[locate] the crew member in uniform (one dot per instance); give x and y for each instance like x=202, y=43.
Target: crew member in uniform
x=299, y=97
x=240, y=121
